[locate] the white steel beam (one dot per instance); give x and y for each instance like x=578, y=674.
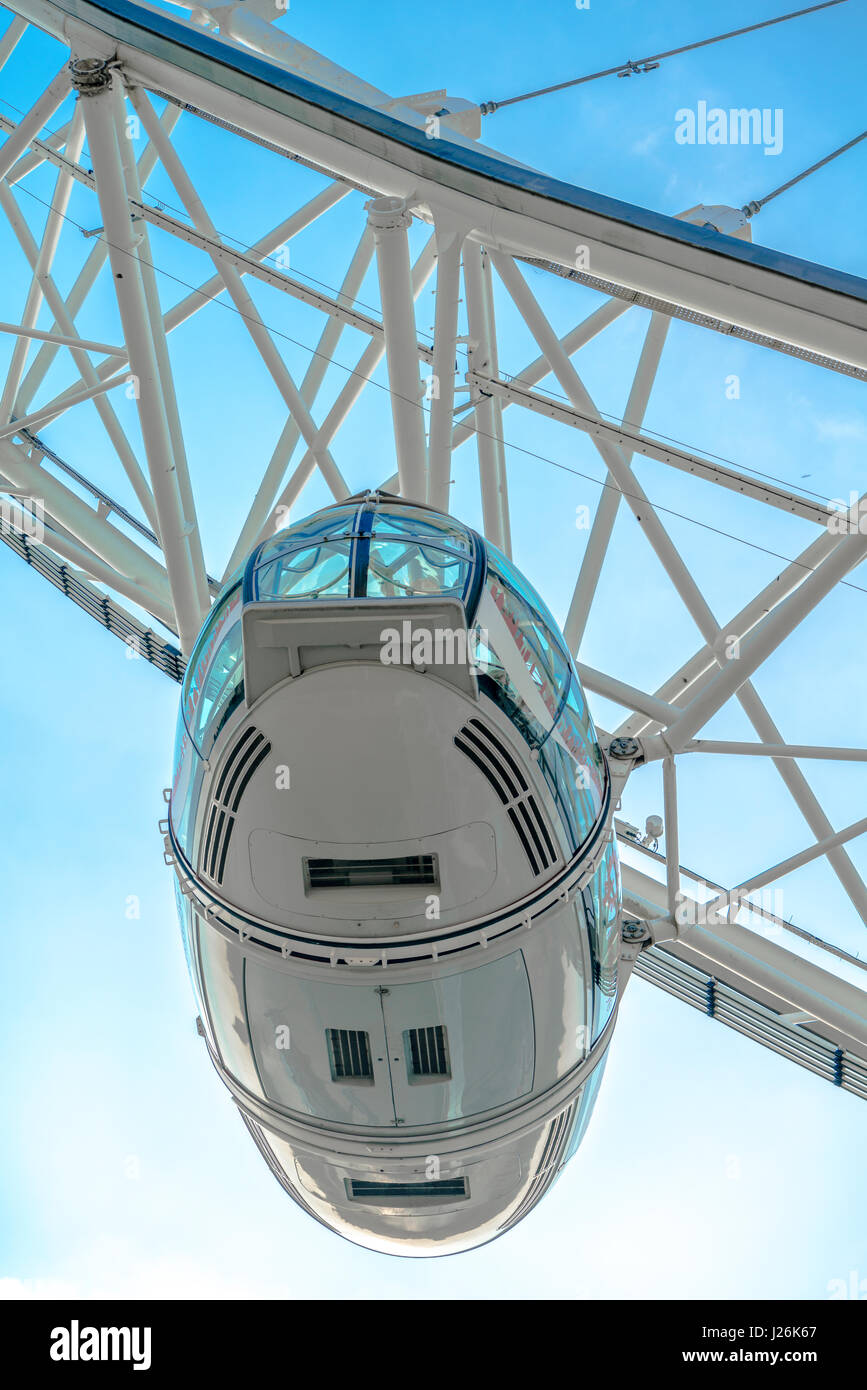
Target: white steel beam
x=777, y=975
x=172, y=525
x=849, y=551
x=449, y=240
x=390, y=221
x=87, y=525
x=86, y=277
x=30, y=125
x=163, y=362
x=88, y=385
x=606, y=512
x=540, y=367
x=320, y=361
x=672, y=835
x=633, y=441
x=358, y=379
x=54, y=409
x=17, y=330
x=212, y=288
x=623, y=694
x=769, y=750
x=735, y=897
x=11, y=38
x=42, y=269
x=488, y=413
x=239, y=294
x=734, y=677
x=694, y=674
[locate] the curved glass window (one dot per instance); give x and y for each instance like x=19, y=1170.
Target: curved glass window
x=530, y=663
x=187, y=777
x=404, y=521
x=209, y=649
x=369, y=550
x=585, y=1108
x=333, y=521
x=602, y=901
x=580, y=757
x=321, y=570
x=400, y=568
x=223, y=981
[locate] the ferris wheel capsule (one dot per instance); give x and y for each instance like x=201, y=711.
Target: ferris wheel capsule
x=386, y=772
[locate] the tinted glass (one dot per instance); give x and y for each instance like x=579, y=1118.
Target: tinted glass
x=312, y=571
x=223, y=980
x=402, y=568
x=604, y=920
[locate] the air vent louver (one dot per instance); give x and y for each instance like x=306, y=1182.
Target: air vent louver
x=244, y=757
x=408, y=871
x=392, y=1194
x=349, y=1055
x=426, y=1053
x=494, y=760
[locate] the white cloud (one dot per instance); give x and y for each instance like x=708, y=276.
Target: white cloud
x=841, y=427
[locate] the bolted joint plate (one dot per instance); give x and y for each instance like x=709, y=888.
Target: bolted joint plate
x=388, y=214
x=90, y=76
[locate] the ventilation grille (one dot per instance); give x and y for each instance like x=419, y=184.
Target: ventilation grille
x=408, y=871
x=249, y=751
x=426, y=1052
x=548, y=1165
x=392, y=1194
x=349, y=1054
x=491, y=756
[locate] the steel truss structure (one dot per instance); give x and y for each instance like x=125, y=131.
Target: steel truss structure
x=401, y=162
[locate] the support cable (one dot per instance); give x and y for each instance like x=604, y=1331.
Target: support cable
x=648, y=64
x=750, y=209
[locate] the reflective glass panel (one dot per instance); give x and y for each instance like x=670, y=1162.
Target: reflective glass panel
x=224, y=613
x=223, y=980
x=339, y=522
x=604, y=918
x=222, y=688
x=406, y=521
x=401, y=568
x=313, y=571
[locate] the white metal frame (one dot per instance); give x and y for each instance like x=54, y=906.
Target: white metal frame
x=486, y=218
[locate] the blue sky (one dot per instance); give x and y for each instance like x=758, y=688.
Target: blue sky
x=711, y=1168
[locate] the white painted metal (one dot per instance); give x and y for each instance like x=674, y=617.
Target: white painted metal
x=485, y=211
x=389, y=220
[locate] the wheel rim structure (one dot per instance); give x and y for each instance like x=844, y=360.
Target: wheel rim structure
x=135, y=555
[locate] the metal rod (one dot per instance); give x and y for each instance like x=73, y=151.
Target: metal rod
x=390, y=221
x=30, y=125
x=264, y=500
x=449, y=240
x=132, y=303
x=163, y=362
x=672, y=847
x=606, y=513
x=57, y=408
x=87, y=277
x=773, y=750
x=482, y=354
x=358, y=379
x=89, y=377
x=239, y=295
x=19, y=331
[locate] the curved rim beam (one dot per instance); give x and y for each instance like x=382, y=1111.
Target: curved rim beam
x=808, y=306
